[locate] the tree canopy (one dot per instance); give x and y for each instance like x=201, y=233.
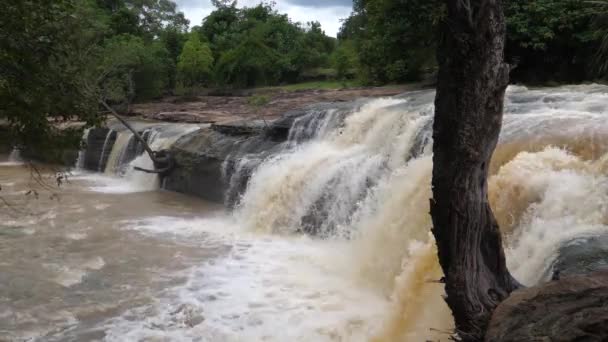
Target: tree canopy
x=547, y=40
x=59, y=58
x=194, y=63
x=44, y=56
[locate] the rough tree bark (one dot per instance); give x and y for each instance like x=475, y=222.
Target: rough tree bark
x=468, y=117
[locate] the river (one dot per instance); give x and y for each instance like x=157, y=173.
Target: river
x=109, y=256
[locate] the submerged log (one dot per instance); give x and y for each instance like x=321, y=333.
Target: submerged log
x=471, y=85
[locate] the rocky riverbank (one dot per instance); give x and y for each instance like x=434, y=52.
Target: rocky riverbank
x=238, y=105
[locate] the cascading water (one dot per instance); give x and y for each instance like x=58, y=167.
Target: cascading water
x=329, y=239
x=105, y=150
x=365, y=177
x=80, y=161
x=122, y=152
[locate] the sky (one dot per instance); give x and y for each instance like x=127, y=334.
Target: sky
x=327, y=12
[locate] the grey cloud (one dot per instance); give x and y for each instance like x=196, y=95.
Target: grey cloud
x=302, y=3
x=327, y=12
x=194, y=3
x=321, y=3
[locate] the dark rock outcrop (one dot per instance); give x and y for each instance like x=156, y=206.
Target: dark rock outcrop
x=206, y=161
x=573, y=308
x=584, y=255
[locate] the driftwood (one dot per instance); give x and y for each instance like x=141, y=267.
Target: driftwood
x=468, y=116
x=163, y=161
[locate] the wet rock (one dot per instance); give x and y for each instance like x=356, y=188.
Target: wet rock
x=582, y=256
x=205, y=161
x=573, y=308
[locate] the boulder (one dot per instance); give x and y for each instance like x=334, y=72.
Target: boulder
x=574, y=308
x=583, y=255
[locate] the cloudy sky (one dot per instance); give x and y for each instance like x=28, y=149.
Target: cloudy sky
x=327, y=12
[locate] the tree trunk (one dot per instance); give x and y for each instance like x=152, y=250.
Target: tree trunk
x=468, y=117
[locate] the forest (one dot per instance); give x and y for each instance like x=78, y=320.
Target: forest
x=547, y=40
x=62, y=57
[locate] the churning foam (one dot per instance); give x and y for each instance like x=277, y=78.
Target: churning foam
x=259, y=287
x=371, y=272
x=359, y=180
x=553, y=197
x=329, y=176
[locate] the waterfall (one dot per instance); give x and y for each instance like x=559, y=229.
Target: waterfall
x=122, y=152
x=364, y=177
x=80, y=161
x=330, y=228
x=104, y=150
x=319, y=185
x=118, y=151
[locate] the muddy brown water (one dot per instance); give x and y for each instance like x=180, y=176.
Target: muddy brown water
x=68, y=255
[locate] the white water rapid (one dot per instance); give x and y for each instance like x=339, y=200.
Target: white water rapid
x=330, y=240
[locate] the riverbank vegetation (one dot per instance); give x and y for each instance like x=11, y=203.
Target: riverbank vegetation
x=547, y=40
x=60, y=58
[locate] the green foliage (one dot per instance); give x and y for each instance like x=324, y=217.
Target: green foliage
x=59, y=58
x=551, y=39
x=41, y=66
x=173, y=41
x=547, y=39
x=195, y=63
x=282, y=50
x=128, y=69
x=152, y=75
x=344, y=60
x=251, y=63
x=395, y=39
x=258, y=101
